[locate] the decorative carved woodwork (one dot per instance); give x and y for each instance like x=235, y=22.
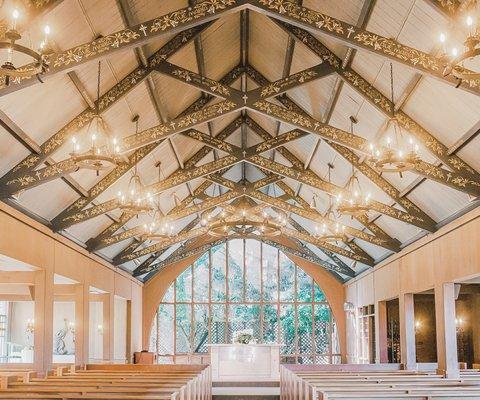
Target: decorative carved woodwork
x=173, y=22
x=108, y=99
x=139, y=154
x=379, y=101
x=358, y=38
x=310, y=179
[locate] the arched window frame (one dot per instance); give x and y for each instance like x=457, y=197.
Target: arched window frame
x=317, y=301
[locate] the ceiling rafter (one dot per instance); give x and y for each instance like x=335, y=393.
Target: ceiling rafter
x=187, y=235
x=108, y=99
x=138, y=155
x=458, y=181
x=368, y=171
x=315, y=216
x=171, y=23
x=189, y=164
x=355, y=37
x=296, y=163
x=371, y=94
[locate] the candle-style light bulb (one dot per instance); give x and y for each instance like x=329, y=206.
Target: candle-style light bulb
x=443, y=38
x=15, y=15
x=469, y=21
x=455, y=52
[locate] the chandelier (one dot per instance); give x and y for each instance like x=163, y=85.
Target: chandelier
x=137, y=199
x=39, y=66
x=357, y=201
x=399, y=153
x=102, y=153
x=325, y=232
x=159, y=228
x=244, y=226
x=459, y=61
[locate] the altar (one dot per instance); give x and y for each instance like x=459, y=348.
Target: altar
x=245, y=362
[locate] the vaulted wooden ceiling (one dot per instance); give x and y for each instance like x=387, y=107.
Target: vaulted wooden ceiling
x=244, y=103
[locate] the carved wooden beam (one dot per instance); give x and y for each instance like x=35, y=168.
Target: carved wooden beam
x=181, y=124
x=358, y=38
x=317, y=217
x=198, y=81
x=291, y=82
x=145, y=265
x=198, y=192
x=208, y=204
x=109, y=98
x=163, y=244
x=177, y=178
x=292, y=233
x=310, y=179
x=372, y=227
x=135, y=36
x=138, y=155
x=303, y=121
x=298, y=164
x=329, y=254
x=379, y=101
x=139, y=140
x=449, y=8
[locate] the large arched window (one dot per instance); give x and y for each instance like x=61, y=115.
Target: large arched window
x=245, y=284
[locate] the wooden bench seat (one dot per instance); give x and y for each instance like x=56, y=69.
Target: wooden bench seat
x=179, y=383
x=391, y=385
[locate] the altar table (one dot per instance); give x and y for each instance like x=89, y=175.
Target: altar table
x=245, y=362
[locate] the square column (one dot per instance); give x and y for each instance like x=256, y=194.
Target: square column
x=381, y=350
x=407, y=331
x=43, y=315
x=108, y=326
x=446, y=330
x=82, y=321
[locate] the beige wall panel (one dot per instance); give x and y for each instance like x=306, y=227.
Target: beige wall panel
x=123, y=287
x=137, y=318
x=69, y=263
x=20, y=241
x=351, y=293
x=101, y=277
x=387, y=282
x=417, y=270
x=459, y=253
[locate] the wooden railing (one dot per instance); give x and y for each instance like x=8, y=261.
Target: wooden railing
x=119, y=382
x=373, y=383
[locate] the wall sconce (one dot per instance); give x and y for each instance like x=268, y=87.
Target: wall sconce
x=418, y=325
x=30, y=325
x=459, y=321
x=100, y=329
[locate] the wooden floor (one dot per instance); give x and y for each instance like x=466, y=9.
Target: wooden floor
x=112, y=382
x=362, y=385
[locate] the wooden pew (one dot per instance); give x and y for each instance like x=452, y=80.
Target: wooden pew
x=309, y=384
x=164, y=382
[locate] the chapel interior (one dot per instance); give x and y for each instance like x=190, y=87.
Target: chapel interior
x=240, y=199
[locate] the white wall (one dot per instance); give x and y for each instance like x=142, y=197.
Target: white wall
x=21, y=312
x=120, y=328
x=95, y=336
